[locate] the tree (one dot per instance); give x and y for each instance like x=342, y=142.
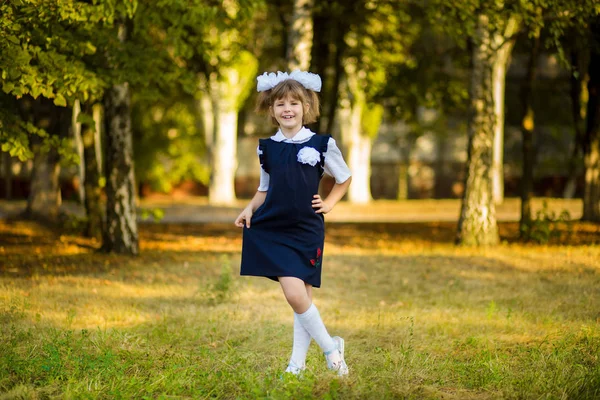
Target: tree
x=300, y=36
x=479, y=22
x=72, y=50
x=39, y=72
x=499, y=84
x=120, y=235
x=527, y=131
x=578, y=50
x=44, y=197
x=227, y=88
x=225, y=79
x=591, y=140
x=87, y=123
x=425, y=91
x=374, y=40
x=477, y=223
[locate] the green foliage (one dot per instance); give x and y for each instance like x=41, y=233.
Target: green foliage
x=48, y=43
x=247, y=68
x=371, y=119
x=547, y=225
x=167, y=145
x=156, y=214
x=458, y=19
x=70, y=50
x=378, y=37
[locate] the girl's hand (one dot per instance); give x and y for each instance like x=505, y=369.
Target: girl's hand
x=320, y=206
x=244, y=217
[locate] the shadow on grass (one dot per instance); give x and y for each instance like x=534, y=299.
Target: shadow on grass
x=29, y=249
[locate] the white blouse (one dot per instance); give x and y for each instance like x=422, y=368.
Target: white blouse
x=334, y=165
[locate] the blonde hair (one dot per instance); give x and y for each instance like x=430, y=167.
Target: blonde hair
x=295, y=90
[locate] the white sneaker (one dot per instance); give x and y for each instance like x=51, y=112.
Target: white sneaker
x=339, y=366
x=293, y=369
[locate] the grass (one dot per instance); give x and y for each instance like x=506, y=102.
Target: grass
x=422, y=319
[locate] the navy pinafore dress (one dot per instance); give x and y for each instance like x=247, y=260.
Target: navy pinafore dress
x=286, y=235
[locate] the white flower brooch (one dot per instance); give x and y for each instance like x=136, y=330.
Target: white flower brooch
x=309, y=155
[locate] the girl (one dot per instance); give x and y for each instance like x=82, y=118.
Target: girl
x=283, y=224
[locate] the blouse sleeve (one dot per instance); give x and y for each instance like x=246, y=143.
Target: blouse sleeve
x=335, y=165
x=263, y=186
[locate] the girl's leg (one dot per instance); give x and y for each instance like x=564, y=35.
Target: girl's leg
x=297, y=296
x=301, y=342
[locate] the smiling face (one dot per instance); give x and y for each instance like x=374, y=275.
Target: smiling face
x=271, y=102
x=289, y=113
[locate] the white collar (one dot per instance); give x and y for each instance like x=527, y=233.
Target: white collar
x=302, y=135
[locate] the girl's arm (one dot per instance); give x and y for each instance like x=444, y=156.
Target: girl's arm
x=246, y=215
x=337, y=192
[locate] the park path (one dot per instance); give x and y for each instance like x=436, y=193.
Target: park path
x=197, y=210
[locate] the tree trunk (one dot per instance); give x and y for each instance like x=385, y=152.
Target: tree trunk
x=499, y=79
x=356, y=140
x=402, y=181
x=528, y=130
x=91, y=181
x=76, y=129
x=332, y=104
x=7, y=166
x=227, y=92
x=44, y=197
x=477, y=222
x=44, y=192
x=591, y=198
x=224, y=157
x=359, y=162
x=121, y=231
x=357, y=145
x=577, y=107
x=98, y=119
x=591, y=150
x=300, y=36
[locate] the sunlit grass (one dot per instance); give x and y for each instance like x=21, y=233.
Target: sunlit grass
x=421, y=317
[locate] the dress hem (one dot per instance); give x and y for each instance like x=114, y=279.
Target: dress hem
x=275, y=278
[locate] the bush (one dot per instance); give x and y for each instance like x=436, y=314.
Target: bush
x=546, y=226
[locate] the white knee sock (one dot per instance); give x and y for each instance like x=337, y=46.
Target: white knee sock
x=311, y=321
x=301, y=343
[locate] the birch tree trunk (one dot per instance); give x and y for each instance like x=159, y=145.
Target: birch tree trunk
x=121, y=231
x=358, y=150
x=356, y=142
x=224, y=156
x=359, y=162
x=499, y=79
x=76, y=128
x=591, y=150
x=477, y=222
x=227, y=92
x=91, y=180
x=300, y=36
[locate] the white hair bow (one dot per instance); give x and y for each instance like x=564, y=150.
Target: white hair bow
x=268, y=80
